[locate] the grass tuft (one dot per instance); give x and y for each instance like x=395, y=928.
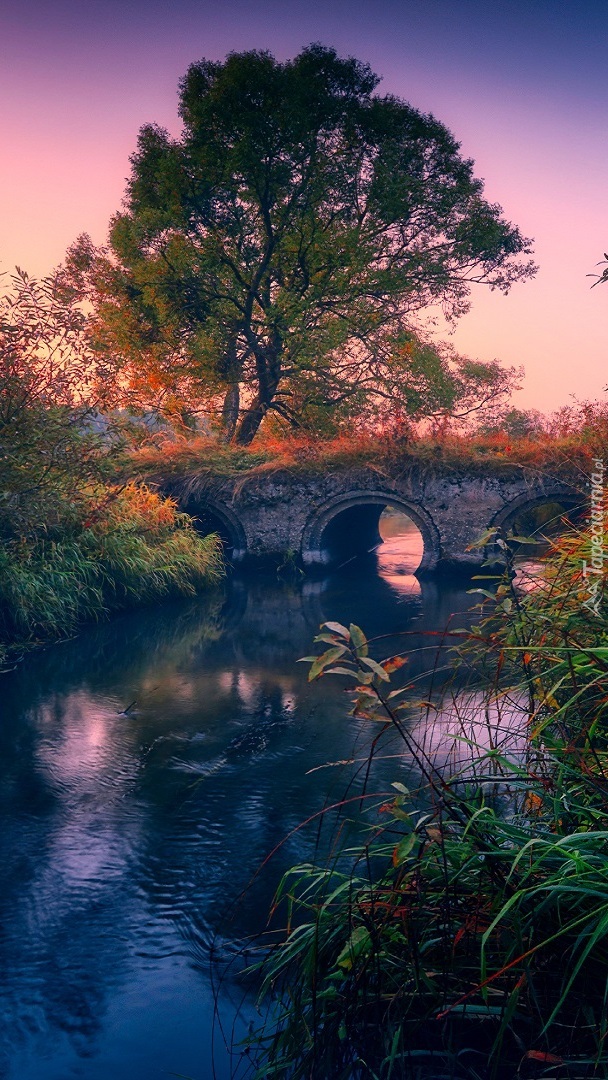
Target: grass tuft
x=132, y=548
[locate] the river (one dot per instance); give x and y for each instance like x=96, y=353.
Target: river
x=148, y=768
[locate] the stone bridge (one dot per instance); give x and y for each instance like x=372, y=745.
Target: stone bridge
x=322, y=517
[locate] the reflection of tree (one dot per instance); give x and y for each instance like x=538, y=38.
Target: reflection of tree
x=129, y=835
x=112, y=652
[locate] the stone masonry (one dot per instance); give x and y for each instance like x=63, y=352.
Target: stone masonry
x=317, y=517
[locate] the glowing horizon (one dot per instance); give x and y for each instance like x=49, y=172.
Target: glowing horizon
x=522, y=88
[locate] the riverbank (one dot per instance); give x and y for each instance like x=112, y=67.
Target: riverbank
x=122, y=547
x=466, y=935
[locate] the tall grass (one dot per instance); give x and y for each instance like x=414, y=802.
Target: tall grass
x=466, y=933
x=131, y=548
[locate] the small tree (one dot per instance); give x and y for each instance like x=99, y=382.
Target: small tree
x=516, y=423
x=48, y=392
x=275, y=255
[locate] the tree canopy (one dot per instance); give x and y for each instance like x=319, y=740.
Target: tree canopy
x=274, y=256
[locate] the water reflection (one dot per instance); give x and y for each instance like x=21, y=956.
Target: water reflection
x=400, y=554
x=473, y=733
x=129, y=832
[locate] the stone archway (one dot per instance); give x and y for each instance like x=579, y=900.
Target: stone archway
x=506, y=517
x=366, y=507
x=211, y=516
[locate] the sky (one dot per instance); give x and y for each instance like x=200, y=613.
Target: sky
x=521, y=83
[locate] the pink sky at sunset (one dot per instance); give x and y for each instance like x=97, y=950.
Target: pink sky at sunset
x=521, y=85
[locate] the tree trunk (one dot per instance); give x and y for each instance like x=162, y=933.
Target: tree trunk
x=230, y=412
x=269, y=374
x=250, y=423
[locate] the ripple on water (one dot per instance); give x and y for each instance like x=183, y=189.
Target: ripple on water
x=128, y=840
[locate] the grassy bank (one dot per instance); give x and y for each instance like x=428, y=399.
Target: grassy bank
x=466, y=934
x=118, y=548
x=173, y=458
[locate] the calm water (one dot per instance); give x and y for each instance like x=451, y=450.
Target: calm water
x=126, y=838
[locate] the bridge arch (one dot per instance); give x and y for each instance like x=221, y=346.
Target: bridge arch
x=212, y=516
x=358, y=513
x=567, y=498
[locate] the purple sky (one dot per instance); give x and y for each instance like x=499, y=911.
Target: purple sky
x=521, y=83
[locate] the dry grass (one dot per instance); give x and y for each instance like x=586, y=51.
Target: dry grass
x=496, y=454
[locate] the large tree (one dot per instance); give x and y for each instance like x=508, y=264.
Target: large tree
x=275, y=255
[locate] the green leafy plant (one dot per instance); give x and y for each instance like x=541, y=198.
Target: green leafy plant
x=75, y=543
x=466, y=935
x=134, y=548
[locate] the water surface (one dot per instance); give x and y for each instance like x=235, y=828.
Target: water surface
x=148, y=769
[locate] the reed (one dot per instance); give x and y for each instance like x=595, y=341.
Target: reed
x=569, y=441
x=465, y=932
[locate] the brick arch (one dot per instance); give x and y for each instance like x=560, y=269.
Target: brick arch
x=314, y=548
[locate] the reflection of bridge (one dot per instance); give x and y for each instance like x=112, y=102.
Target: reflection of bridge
x=323, y=517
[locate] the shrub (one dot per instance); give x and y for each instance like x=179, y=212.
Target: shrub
x=49, y=454
x=74, y=545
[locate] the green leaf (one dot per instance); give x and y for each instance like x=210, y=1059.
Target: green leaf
x=325, y=660
x=485, y=539
x=337, y=628
x=404, y=848
x=477, y=1010
x=359, y=640
x=397, y=693
x=400, y=787
x=357, y=945
x=375, y=667
x=329, y=639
